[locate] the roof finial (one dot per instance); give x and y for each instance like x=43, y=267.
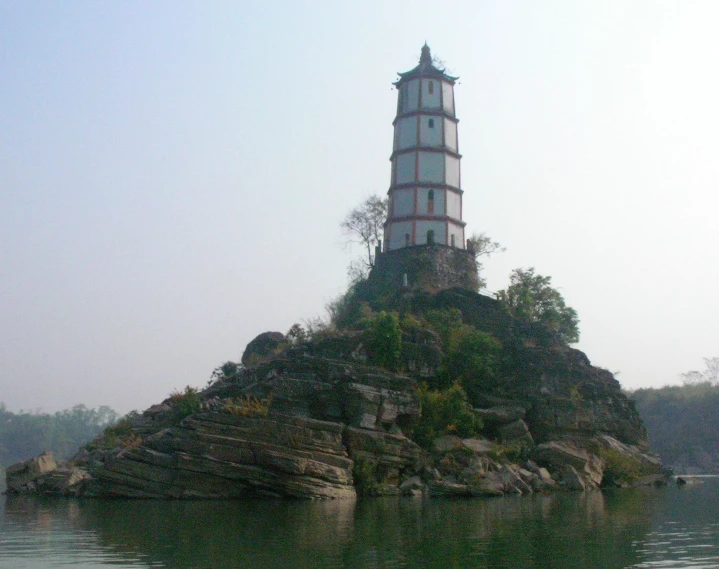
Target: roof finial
x=426, y=57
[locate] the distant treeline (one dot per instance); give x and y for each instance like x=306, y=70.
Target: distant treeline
x=25, y=435
x=683, y=425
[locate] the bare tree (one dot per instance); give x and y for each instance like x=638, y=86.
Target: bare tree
x=709, y=375
x=482, y=246
x=364, y=224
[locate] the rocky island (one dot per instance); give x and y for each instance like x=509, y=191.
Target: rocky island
x=319, y=417
x=417, y=385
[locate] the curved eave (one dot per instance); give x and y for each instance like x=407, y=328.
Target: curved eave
x=429, y=71
x=420, y=217
x=424, y=148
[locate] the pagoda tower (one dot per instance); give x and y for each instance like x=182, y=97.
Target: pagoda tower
x=425, y=195
x=424, y=244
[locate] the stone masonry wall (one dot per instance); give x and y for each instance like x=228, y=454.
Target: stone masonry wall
x=428, y=267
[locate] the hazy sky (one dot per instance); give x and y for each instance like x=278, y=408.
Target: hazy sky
x=172, y=175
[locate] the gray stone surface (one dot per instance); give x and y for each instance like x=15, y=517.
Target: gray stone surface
x=447, y=443
x=20, y=475
x=517, y=431
x=428, y=267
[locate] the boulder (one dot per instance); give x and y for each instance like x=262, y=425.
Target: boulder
x=526, y=475
x=413, y=486
x=517, y=432
x=263, y=346
x=375, y=404
x=649, y=460
x=480, y=446
x=19, y=476
x=544, y=475
x=490, y=485
x=570, y=479
x=63, y=481
x=513, y=484
x=447, y=488
x=501, y=415
x=447, y=443
x=556, y=455
x=688, y=480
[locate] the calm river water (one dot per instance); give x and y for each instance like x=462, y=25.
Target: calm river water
x=649, y=528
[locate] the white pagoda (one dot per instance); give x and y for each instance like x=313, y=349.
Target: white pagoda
x=425, y=195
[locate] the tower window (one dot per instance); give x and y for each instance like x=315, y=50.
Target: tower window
x=430, y=123
x=430, y=237
x=452, y=239
x=430, y=201
x=406, y=239
x=430, y=88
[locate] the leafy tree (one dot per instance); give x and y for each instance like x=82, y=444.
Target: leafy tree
x=385, y=341
x=472, y=357
x=297, y=334
x=444, y=322
x=683, y=424
x=531, y=298
x=25, y=435
x=364, y=224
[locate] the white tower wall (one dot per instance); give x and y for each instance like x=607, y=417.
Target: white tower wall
x=425, y=189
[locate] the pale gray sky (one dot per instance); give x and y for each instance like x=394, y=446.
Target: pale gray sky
x=172, y=175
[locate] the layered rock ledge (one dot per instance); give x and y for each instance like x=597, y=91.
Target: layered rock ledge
x=313, y=420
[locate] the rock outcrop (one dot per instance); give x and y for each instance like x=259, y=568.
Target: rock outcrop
x=219, y=454
x=313, y=420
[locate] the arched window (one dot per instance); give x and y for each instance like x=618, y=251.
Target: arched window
x=430, y=123
x=430, y=88
x=430, y=201
x=406, y=239
x=452, y=240
x=430, y=237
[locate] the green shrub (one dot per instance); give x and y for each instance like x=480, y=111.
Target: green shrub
x=121, y=434
x=228, y=370
x=185, y=403
x=364, y=473
x=410, y=323
x=509, y=452
x=620, y=467
x=385, y=341
x=247, y=406
x=445, y=412
x=472, y=358
x=297, y=334
x=444, y=322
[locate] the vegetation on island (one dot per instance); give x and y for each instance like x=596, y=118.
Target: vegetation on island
x=364, y=225
x=530, y=298
x=478, y=363
x=24, y=435
x=683, y=420
x=471, y=359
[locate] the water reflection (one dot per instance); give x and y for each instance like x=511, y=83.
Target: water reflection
x=624, y=529
x=569, y=530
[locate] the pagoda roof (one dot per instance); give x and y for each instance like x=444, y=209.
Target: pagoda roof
x=426, y=68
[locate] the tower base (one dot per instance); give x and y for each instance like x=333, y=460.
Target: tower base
x=427, y=267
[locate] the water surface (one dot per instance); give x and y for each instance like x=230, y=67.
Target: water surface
x=663, y=528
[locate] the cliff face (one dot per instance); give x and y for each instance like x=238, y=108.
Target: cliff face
x=314, y=420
